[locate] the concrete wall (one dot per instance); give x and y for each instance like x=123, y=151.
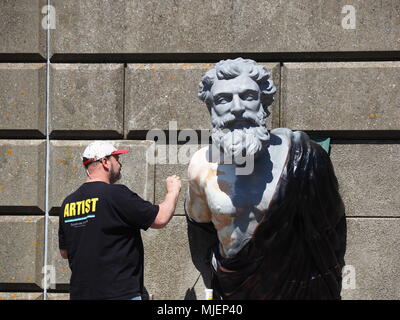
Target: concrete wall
x=120, y=68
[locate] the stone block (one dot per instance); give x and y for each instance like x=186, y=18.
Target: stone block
x=22, y=168
x=58, y=296
x=159, y=93
x=316, y=26
x=341, y=96
x=372, y=251
x=21, y=28
x=23, y=97
x=367, y=173
x=21, y=250
x=87, y=97
x=225, y=26
x=21, y=296
x=169, y=271
x=54, y=259
x=150, y=26
x=67, y=172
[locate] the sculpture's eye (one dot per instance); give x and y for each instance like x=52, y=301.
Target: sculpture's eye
x=221, y=99
x=249, y=95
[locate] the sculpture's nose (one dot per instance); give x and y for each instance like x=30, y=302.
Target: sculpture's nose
x=237, y=107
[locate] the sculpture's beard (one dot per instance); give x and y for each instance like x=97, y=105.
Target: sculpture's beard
x=240, y=139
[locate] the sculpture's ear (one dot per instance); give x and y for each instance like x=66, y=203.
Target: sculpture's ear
x=266, y=101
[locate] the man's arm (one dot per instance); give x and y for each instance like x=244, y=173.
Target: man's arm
x=167, y=207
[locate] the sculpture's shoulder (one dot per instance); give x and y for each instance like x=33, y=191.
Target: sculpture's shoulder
x=279, y=144
x=296, y=145
x=199, y=164
x=284, y=135
x=281, y=135
x=286, y=132
x=307, y=156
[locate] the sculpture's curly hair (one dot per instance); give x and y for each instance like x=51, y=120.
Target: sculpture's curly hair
x=229, y=69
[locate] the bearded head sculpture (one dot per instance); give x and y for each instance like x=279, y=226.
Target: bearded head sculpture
x=237, y=94
x=276, y=230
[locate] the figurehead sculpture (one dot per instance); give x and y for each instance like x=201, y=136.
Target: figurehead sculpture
x=278, y=228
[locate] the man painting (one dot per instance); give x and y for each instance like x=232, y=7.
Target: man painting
x=99, y=228
x=280, y=226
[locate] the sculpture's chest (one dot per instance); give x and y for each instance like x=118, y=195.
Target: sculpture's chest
x=229, y=193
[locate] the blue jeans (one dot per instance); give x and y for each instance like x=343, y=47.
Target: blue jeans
x=136, y=298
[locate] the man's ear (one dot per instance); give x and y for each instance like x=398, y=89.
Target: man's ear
x=105, y=162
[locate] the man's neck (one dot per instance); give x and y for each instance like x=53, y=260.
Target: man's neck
x=95, y=179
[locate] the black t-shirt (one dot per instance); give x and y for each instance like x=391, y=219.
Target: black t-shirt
x=100, y=229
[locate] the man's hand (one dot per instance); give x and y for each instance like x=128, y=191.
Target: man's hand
x=173, y=184
x=167, y=207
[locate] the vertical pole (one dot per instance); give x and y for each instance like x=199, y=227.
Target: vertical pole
x=46, y=225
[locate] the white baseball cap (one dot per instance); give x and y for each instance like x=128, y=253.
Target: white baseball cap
x=100, y=149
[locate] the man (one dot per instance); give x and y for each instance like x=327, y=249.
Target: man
x=99, y=231
x=280, y=226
